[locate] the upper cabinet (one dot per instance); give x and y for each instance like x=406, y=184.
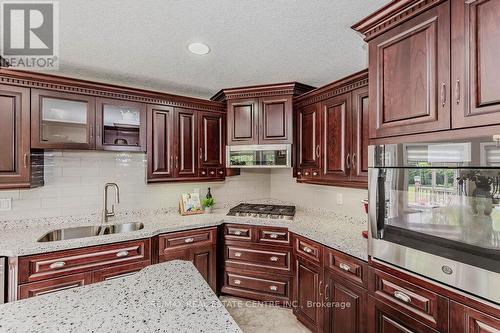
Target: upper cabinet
x=475, y=50
x=332, y=133
x=62, y=120
x=14, y=137
x=260, y=114
x=120, y=125
x=433, y=66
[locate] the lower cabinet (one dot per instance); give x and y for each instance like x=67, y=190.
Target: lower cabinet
x=307, y=293
x=344, y=306
x=52, y=285
x=465, y=319
x=197, y=246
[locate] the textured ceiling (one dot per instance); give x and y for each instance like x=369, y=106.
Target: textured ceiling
x=143, y=43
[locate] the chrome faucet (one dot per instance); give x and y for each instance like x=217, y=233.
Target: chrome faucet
x=105, y=213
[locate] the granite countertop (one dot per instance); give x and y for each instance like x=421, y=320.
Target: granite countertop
x=337, y=231
x=168, y=297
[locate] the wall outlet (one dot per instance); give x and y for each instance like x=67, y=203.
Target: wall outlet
x=340, y=199
x=5, y=204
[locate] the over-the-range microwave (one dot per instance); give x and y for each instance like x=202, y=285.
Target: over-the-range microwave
x=259, y=156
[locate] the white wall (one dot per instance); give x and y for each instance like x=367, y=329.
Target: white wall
x=74, y=184
x=284, y=187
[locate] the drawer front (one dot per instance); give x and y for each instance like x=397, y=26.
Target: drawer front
x=239, y=232
x=307, y=249
x=258, y=284
x=52, y=285
x=270, y=235
x=349, y=268
x=117, y=272
x=55, y=264
x=185, y=239
x=418, y=302
x=258, y=257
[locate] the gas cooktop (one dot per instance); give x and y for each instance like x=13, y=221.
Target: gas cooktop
x=263, y=211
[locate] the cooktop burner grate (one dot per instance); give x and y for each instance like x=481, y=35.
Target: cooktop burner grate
x=263, y=211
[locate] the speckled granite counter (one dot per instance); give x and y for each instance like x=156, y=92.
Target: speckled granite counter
x=339, y=232
x=168, y=297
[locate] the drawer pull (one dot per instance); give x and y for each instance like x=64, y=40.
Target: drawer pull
x=122, y=254
x=57, y=264
x=402, y=296
x=189, y=240
x=273, y=236
x=237, y=254
x=345, y=267
x=274, y=259
x=237, y=233
x=273, y=288
x=238, y=282
x=307, y=249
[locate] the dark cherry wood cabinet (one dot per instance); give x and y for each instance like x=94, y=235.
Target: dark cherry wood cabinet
x=198, y=246
x=345, y=305
x=260, y=114
x=467, y=320
x=120, y=125
x=308, y=282
x=185, y=144
x=61, y=120
x=14, y=137
x=117, y=272
x=332, y=139
x=475, y=49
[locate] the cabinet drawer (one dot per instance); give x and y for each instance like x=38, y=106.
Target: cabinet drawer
x=184, y=239
x=118, y=271
x=307, y=249
x=55, y=264
x=271, y=235
x=52, y=285
x=239, y=232
x=257, y=257
x=417, y=302
x=348, y=267
x=256, y=283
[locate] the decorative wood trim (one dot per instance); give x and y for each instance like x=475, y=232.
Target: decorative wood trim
x=352, y=82
x=391, y=15
x=70, y=85
x=286, y=88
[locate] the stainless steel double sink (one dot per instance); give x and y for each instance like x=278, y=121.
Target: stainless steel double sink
x=89, y=231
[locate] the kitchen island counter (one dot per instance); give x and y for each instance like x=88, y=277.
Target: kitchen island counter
x=167, y=297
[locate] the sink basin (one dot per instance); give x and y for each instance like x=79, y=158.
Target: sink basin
x=89, y=231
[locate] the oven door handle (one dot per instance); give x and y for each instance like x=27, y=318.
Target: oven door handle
x=373, y=194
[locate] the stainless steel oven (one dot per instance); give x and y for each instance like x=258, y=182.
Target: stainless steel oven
x=434, y=209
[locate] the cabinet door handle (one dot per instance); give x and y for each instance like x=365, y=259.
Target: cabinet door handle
x=320, y=287
x=57, y=264
x=25, y=160
x=201, y=153
x=326, y=292
x=238, y=282
x=91, y=132
x=274, y=259
x=189, y=240
x=457, y=91
x=317, y=151
x=354, y=161
x=273, y=288
x=443, y=94
x=122, y=254
x=348, y=161
x=402, y=296
x=345, y=267
x=237, y=254
x=171, y=161
x=307, y=249
x=176, y=162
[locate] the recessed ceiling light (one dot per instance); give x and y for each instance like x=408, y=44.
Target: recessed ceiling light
x=198, y=48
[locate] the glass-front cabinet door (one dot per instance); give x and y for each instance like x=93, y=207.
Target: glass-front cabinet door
x=61, y=120
x=120, y=125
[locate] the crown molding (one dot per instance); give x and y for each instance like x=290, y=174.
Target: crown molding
x=349, y=83
x=286, y=88
x=83, y=87
x=391, y=15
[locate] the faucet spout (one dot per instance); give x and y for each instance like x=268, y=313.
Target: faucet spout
x=106, y=213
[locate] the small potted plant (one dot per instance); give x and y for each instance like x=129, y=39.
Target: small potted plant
x=208, y=204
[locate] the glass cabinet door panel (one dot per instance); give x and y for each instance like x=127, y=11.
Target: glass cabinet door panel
x=64, y=121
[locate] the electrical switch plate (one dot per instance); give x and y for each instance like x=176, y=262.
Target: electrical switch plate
x=5, y=204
